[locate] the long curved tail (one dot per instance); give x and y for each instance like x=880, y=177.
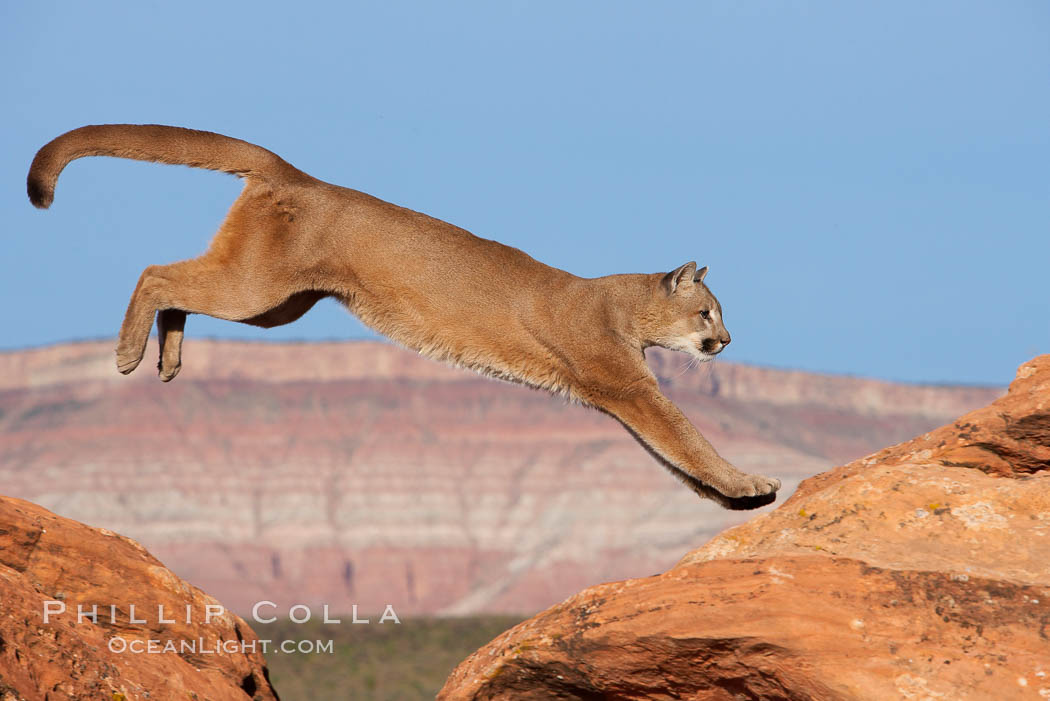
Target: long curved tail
x=153, y=142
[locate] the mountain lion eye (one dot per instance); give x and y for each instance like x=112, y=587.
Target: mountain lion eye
x=705, y=314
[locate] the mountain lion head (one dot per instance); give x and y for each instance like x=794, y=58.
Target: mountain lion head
x=689, y=316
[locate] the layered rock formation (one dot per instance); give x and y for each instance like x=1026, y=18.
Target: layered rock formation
x=52, y=569
x=919, y=572
x=359, y=473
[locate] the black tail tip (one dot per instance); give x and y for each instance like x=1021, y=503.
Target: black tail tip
x=39, y=194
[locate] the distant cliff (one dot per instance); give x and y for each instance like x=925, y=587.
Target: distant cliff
x=359, y=473
x=919, y=572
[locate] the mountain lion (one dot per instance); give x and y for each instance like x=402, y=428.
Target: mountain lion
x=290, y=240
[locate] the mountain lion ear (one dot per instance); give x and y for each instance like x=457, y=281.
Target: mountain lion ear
x=700, y=274
x=682, y=275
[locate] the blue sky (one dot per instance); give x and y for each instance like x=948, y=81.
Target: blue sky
x=869, y=182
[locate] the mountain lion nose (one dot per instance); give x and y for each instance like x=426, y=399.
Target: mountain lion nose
x=726, y=340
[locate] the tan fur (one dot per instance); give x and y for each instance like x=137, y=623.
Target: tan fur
x=290, y=240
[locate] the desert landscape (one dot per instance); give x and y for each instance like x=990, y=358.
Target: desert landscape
x=916, y=571
x=359, y=473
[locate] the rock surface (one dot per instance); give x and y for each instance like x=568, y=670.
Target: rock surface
x=920, y=572
x=46, y=558
x=360, y=473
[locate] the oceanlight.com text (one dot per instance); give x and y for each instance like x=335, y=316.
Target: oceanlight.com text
x=200, y=646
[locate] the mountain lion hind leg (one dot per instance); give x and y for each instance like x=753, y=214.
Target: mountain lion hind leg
x=202, y=286
x=172, y=322
x=170, y=326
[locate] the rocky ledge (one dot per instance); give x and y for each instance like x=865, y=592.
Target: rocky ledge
x=919, y=572
x=53, y=568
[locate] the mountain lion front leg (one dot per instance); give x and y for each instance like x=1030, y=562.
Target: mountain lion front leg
x=659, y=425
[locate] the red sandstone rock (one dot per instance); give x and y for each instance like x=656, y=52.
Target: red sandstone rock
x=921, y=572
x=46, y=558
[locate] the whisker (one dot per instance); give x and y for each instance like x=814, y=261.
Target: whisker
x=684, y=369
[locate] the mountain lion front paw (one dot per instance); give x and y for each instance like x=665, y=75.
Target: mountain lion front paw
x=744, y=485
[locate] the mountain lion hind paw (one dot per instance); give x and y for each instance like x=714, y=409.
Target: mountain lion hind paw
x=126, y=362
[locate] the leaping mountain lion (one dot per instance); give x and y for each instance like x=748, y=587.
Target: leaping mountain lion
x=290, y=240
